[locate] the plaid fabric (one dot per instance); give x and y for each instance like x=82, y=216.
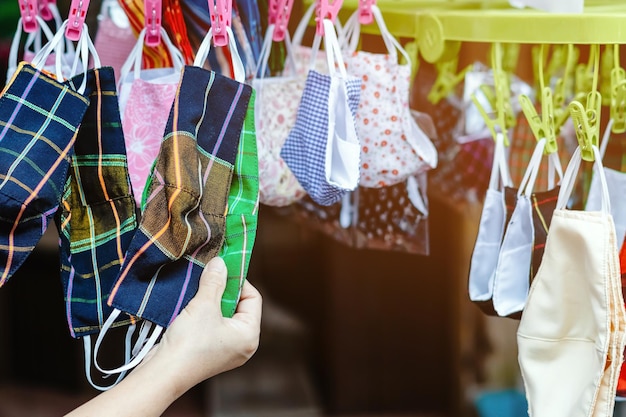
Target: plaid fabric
x=242, y=214
x=544, y=204
x=304, y=151
x=97, y=217
x=39, y=118
x=183, y=222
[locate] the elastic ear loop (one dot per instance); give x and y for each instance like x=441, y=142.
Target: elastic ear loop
x=136, y=358
x=127, y=352
x=530, y=175
x=15, y=43
x=205, y=47
x=567, y=185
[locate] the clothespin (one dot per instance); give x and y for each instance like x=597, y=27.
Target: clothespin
x=587, y=118
x=365, y=11
x=618, y=94
x=152, y=13
x=503, y=89
x=446, y=80
x=326, y=10
x=279, y=12
x=221, y=16
x=542, y=127
x=510, y=57
x=29, y=11
x=76, y=19
x=563, y=87
x=44, y=9
x=606, y=66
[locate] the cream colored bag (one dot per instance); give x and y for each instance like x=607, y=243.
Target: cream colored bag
x=571, y=334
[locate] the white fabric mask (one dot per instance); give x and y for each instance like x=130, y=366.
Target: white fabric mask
x=616, y=183
x=571, y=336
x=513, y=273
x=491, y=229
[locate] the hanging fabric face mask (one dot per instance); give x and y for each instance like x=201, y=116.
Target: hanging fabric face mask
x=571, y=335
x=146, y=97
x=393, y=146
x=616, y=183
x=39, y=121
x=276, y=108
x=114, y=39
x=515, y=259
x=323, y=149
x=182, y=225
x=490, y=232
x=242, y=214
x=97, y=217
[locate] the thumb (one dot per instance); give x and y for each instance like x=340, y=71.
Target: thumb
x=213, y=281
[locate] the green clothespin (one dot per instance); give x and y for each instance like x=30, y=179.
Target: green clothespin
x=606, y=68
x=446, y=80
x=587, y=118
x=563, y=88
x=618, y=94
x=542, y=127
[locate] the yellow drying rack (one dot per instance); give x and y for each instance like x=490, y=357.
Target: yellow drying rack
x=438, y=27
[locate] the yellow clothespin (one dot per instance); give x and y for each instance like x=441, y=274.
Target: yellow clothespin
x=542, y=127
x=618, y=94
x=501, y=105
x=587, y=118
x=585, y=74
x=563, y=87
x=510, y=57
x=606, y=67
x=446, y=80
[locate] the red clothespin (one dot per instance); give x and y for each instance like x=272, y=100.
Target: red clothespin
x=76, y=19
x=29, y=12
x=221, y=15
x=281, y=19
x=365, y=11
x=152, y=13
x=325, y=10
x=44, y=9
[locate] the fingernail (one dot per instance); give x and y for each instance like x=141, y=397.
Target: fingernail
x=216, y=265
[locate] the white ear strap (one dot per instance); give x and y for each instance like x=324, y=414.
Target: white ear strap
x=530, y=175
x=87, y=349
x=137, y=358
x=205, y=47
x=304, y=22
x=567, y=185
x=55, y=45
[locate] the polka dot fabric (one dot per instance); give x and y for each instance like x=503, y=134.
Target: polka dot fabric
x=393, y=147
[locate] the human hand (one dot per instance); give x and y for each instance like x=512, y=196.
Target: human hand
x=200, y=342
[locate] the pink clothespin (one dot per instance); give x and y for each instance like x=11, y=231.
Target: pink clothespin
x=280, y=18
x=76, y=19
x=365, y=11
x=44, y=9
x=29, y=12
x=325, y=10
x=221, y=15
x=152, y=13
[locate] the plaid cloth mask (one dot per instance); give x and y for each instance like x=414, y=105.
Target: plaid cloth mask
x=39, y=122
x=183, y=219
x=515, y=258
x=571, y=335
x=242, y=214
x=275, y=114
x=97, y=217
x=393, y=147
x=322, y=149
